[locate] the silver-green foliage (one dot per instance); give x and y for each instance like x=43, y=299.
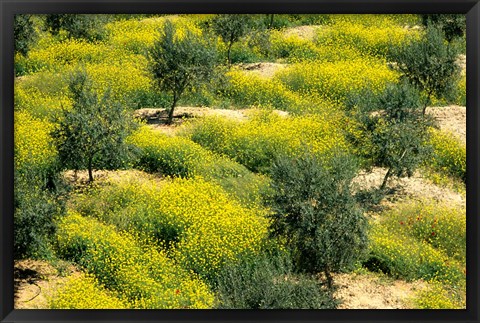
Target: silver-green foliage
x=315, y=212
x=178, y=62
x=92, y=133
x=429, y=64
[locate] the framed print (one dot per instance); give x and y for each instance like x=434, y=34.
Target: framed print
x=244, y=162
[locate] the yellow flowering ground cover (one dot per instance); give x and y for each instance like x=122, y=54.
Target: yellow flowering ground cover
x=181, y=157
x=136, y=36
x=256, y=142
x=33, y=147
x=336, y=80
x=375, y=41
x=202, y=225
x=84, y=292
x=66, y=53
x=439, y=296
x=247, y=90
x=423, y=240
x=449, y=154
x=139, y=273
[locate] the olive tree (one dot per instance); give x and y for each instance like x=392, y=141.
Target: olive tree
x=316, y=214
x=87, y=26
x=393, y=129
x=179, y=62
x=91, y=134
x=453, y=25
x=24, y=33
x=231, y=27
x=429, y=64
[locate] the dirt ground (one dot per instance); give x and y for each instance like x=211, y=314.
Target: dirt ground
x=451, y=118
x=266, y=70
x=304, y=32
x=413, y=188
x=156, y=118
x=371, y=291
x=34, y=282
x=462, y=62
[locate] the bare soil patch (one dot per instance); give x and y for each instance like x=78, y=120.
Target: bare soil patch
x=413, y=188
x=304, y=32
x=462, y=62
x=35, y=281
x=102, y=176
x=159, y=116
x=156, y=118
x=263, y=69
x=370, y=291
x=452, y=119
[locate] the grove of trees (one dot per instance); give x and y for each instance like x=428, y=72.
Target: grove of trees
x=255, y=198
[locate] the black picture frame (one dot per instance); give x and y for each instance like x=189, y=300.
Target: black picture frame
x=8, y=8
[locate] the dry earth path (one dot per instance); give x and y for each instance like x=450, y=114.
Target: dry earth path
x=372, y=291
x=35, y=281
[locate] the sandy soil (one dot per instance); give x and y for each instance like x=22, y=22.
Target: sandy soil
x=159, y=115
x=413, y=188
x=155, y=118
x=105, y=176
x=370, y=291
x=34, y=282
x=462, y=62
x=451, y=118
x=264, y=69
x=304, y=32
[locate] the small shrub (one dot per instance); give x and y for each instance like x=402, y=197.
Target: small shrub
x=452, y=25
x=242, y=53
x=293, y=48
x=267, y=282
x=87, y=26
x=24, y=33
x=35, y=212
